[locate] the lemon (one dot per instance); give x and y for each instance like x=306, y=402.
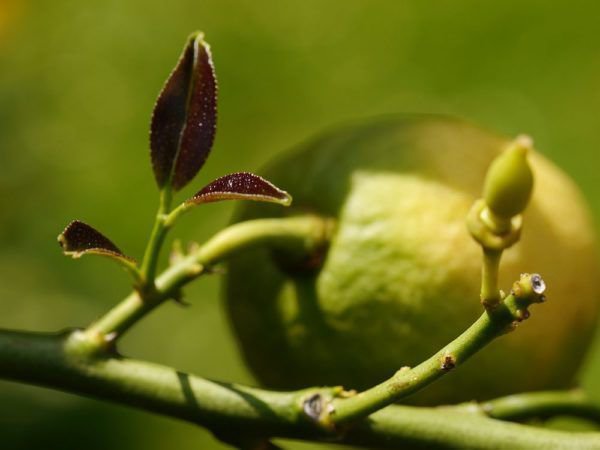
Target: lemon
x=401, y=276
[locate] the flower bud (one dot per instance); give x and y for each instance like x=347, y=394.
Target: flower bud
x=509, y=181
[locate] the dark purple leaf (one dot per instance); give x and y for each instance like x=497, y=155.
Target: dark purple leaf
x=185, y=116
x=201, y=122
x=79, y=239
x=241, y=186
x=168, y=117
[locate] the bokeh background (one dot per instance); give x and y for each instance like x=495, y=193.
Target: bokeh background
x=77, y=85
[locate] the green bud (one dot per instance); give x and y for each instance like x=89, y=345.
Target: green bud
x=509, y=181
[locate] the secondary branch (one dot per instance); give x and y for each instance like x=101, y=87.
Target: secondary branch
x=492, y=323
x=542, y=405
x=301, y=234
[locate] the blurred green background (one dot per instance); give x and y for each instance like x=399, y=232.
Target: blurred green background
x=77, y=85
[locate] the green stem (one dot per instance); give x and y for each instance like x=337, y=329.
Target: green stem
x=176, y=213
x=296, y=234
x=47, y=361
x=406, y=381
x=413, y=428
x=490, y=294
x=157, y=237
x=542, y=405
x=132, y=268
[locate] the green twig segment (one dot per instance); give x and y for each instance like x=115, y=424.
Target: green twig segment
x=157, y=237
x=296, y=234
x=47, y=360
x=492, y=323
x=490, y=294
x=493, y=244
x=542, y=405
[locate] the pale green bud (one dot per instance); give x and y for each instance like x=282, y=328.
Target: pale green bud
x=509, y=180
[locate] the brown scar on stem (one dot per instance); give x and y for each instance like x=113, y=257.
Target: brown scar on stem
x=448, y=363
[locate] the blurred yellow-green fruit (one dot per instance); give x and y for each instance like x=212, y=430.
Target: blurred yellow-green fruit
x=401, y=276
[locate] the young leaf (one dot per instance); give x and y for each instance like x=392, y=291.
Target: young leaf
x=185, y=116
x=241, y=186
x=79, y=239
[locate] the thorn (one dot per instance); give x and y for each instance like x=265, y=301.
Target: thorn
x=178, y=299
x=192, y=247
x=177, y=253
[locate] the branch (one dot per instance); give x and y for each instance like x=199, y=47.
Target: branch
x=542, y=405
x=435, y=428
x=50, y=360
x=492, y=323
x=299, y=234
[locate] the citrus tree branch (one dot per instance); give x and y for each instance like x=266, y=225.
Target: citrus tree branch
x=50, y=360
x=300, y=234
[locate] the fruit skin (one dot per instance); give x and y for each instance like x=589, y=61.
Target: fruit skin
x=401, y=276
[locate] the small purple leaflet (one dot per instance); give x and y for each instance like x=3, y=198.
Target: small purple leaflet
x=241, y=186
x=79, y=239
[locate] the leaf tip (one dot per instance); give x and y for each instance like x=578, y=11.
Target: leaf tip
x=79, y=238
x=197, y=36
x=286, y=200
